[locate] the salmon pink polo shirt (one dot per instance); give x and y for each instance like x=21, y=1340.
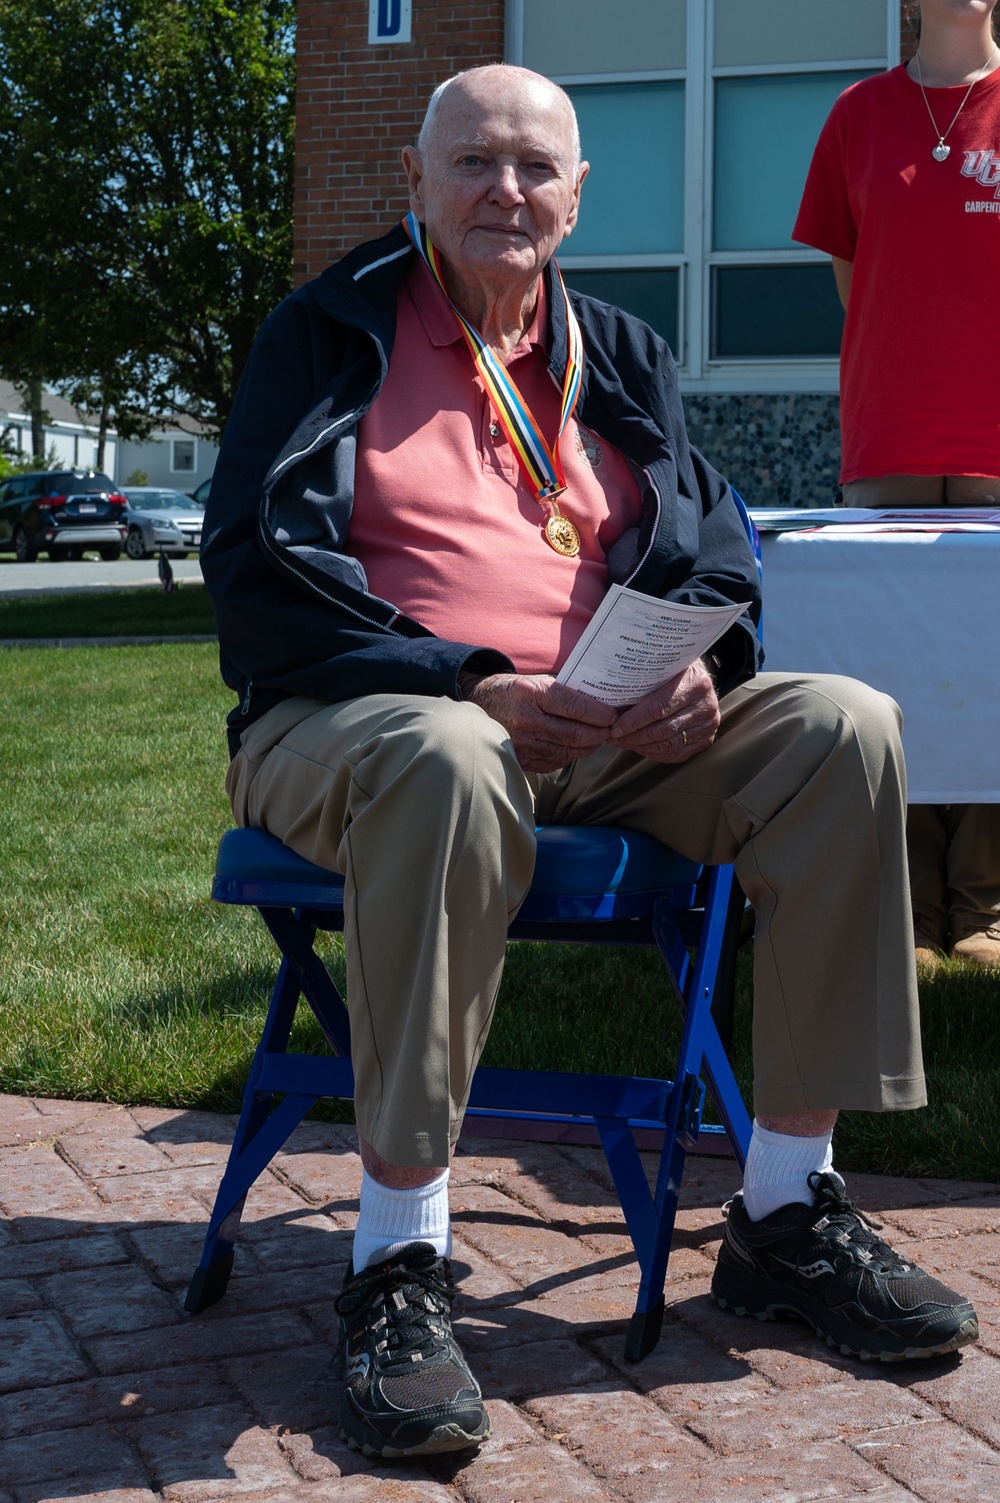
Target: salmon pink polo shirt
x=445, y=525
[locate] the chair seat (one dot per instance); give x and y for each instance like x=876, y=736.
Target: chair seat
x=571, y=861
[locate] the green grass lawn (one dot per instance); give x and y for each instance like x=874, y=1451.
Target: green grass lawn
x=142, y=612
x=123, y=982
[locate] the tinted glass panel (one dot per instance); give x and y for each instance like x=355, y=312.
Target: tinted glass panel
x=649, y=294
x=75, y=484
x=633, y=200
x=774, y=311
x=590, y=36
x=158, y=500
x=765, y=131
x=797, y=31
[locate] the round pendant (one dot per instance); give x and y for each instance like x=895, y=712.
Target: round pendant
x=941, y=152
x=561, y=535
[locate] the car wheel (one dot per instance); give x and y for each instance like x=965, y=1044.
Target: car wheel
x=23, y=550
x=111, y=552
x=134, y=546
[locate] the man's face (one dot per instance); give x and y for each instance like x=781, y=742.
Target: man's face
x=497, y=185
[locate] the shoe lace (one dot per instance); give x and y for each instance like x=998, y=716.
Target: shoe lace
x=841, y=1222
x=403, y=1304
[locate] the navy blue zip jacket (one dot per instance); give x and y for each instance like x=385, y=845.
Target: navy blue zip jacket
x=292, y=607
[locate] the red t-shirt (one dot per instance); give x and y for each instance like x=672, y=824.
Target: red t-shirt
x=919, y=374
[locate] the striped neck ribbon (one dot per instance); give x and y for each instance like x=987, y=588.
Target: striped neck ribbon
x=541, y=466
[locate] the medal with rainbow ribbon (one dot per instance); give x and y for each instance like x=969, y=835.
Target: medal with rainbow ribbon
x=540, y=465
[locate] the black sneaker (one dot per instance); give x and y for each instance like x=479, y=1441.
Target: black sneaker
x=824, y=1264
x=408, y=1390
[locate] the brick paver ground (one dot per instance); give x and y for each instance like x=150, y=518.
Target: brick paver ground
x=108, y=1390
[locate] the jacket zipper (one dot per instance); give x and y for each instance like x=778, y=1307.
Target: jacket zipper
x=655, y=529
x=286, y=564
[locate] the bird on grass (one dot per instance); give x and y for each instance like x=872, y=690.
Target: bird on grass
x=165, y=572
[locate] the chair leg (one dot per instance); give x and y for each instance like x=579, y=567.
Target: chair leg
x=682, y=1122
x=260, y=1131
x=699, y=1042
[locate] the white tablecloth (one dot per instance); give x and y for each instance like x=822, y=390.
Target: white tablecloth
x=914, y=614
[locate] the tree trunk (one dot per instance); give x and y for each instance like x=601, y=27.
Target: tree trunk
x=36, y=410
x=102, y=436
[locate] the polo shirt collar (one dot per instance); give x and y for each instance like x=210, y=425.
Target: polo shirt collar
x=442, y=327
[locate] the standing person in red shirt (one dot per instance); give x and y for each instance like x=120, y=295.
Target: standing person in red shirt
x=904, y=194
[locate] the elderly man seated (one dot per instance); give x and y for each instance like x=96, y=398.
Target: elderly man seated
x=437, y=462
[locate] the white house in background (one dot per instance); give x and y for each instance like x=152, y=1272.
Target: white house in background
x=70, y=436
x=177, y=455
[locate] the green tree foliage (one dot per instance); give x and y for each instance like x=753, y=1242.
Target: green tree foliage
x=146, y=152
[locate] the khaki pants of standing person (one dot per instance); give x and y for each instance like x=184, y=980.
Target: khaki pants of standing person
x=954, y=859
x=421, y=804
x=954, y=850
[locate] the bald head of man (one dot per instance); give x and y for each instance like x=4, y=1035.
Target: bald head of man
x=496, y=176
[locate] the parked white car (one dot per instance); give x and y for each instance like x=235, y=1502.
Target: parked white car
x=161, y=519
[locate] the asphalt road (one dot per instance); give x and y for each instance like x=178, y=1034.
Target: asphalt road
x=44, y=578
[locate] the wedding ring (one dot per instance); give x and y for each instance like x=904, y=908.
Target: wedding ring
x=684, y=738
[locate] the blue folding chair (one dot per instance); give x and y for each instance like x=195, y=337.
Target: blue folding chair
x=592, y=885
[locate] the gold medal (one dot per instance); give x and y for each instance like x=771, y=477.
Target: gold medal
x=539, y=464
x=561, y=534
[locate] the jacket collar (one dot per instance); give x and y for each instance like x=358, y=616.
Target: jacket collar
x=369, y=278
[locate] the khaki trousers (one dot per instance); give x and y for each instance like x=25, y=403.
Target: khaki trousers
x=421, y=804
x=954, y=860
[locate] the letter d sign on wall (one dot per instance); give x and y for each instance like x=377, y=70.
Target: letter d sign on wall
x=389, y=21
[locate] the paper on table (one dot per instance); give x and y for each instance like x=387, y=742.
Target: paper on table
x=634, y=642
x=852, y=521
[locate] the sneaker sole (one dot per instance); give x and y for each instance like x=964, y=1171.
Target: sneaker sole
x=967, y=1332
x=446, y=1437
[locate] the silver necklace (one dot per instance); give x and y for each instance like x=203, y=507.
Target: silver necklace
x=941, y=152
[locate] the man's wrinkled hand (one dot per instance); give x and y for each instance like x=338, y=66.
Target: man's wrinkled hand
x=549, y=724
x=675, y=722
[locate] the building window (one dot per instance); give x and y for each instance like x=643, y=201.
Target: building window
x=698, y=118
x=634, y=199
x=652, y=295
x=183, y=455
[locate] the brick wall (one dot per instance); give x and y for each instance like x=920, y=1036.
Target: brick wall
x=357, y=106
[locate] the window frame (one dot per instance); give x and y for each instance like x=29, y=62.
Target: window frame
x=187, y=438
x=696, y=262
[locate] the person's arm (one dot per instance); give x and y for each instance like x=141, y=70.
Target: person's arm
x=826, y=217
x=842, y=275
x=280, y=632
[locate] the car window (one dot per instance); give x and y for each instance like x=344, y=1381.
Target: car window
x=69, y=482
x=154, y=500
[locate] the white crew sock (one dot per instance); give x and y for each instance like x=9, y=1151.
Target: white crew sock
x=778, y=1169
x=390, y=1219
